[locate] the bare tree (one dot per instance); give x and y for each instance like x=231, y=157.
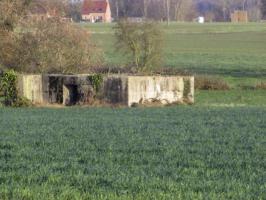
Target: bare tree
x=142, y=41
x=182, y=9
x=145, y=7
x=263, y=7
x=117, y=9
x=11, y=13
x=55, y=46
x=168, y=11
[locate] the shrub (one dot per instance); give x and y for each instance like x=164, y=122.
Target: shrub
x=142, y=41
x=96, y=81
x=8, y=86
x=22, y=102
x=57, y=47
x=210, y=83
x=53, y=46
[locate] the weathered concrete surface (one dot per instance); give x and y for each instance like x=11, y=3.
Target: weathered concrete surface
x=115, y=89
x=53, y=88
x=77, y=89
x=165, y=89
x=189, y=89
x=30, y=86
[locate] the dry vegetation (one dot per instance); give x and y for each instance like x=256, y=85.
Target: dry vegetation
x=52, y=45
x=210, y=83
x=261, y=85
x=56, y=46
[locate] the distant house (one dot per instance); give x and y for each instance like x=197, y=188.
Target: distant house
x=96, y=11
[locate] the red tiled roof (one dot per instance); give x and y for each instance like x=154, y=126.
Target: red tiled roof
x=92, y=6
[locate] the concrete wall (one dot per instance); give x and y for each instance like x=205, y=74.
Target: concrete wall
x=189, y=89
x=116, y=89
x=30, y=86
x=163, y=89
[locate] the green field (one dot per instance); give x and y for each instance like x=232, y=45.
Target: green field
x=235, y=53
x=222, y=48
x=214, y=149
x=171, y=153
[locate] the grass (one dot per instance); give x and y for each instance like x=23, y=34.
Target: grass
x=234, y=97
x=242, y=92
x=188, y=27
x=170, y=153
x=215, y=149
x=217, y=48
x=235, y=53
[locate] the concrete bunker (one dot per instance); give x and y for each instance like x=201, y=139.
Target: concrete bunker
x=126, y=90
x=56, y=89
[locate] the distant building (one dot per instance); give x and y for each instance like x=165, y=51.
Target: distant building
x=239, y=16
x=96, y=11
x=201, y=20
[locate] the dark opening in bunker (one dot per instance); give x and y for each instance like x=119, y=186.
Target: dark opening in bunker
x=72, y=96
x=55, y=89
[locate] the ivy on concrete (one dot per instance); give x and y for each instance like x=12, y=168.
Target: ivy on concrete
x=96, y=81
x=8, y=88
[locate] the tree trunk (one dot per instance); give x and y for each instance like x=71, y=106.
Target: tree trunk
x=145, y=5
x=168, y=11
x=117, y=9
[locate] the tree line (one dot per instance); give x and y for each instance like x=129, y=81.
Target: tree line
x=163, y=10
x=186, y=10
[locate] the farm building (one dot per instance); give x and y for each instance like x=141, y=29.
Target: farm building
x=96, y=11
x=239, y=16
x=115, y=89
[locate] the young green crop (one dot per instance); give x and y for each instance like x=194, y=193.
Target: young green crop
x=170, y=153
